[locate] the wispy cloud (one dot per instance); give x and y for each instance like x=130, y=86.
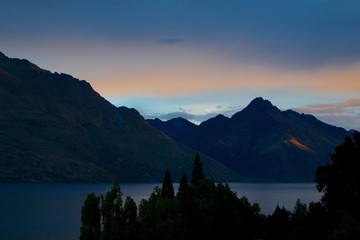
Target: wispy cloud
x=351, y=105
x=197, y=117
x=345, y=113
x=170, y=41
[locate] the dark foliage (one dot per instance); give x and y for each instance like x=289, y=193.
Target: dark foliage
x=90, y=218
x=339, y=181
x=204, y=210
x=167, y=189
x=197, y=171
x=112, y=211
x=278, y=225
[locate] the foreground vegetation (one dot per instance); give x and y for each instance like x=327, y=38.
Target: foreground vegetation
x=202, y=209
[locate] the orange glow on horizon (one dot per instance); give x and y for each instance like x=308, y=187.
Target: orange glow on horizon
x=187, y=80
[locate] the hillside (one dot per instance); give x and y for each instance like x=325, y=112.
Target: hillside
x=56, y=128
x=261, y=142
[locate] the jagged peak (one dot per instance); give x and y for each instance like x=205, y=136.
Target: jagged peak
x=155, y=120
x=259, y=102
x=20, y=63
x=257, y=106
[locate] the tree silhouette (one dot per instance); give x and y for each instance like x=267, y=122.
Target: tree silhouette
x=197, y=171
x=278, y=225
x=183, y=187
x=339, y=181
x=201, y=211
x=130, y=217
x=167, y=189
x=112, y=213
x=90, y=218
x=299, y=212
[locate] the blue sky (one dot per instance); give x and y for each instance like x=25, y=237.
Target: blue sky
x=198, y=58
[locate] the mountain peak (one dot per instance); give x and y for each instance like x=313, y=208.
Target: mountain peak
x=178, y=119
x=257, y=106
x=261, y=105
x=259, y=102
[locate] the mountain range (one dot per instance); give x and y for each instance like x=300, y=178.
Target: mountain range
x=56, y=128
x=261, y=142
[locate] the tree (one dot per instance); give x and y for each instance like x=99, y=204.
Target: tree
x=278, y=225
x=112, y=213
x=349, y=229
x=339, y=181
x=130, y=216
x=183, y=187
x=197, y=171
x=299, y=212
x=167, y=189
x=90, y=218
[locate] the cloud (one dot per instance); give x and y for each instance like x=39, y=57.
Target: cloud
x=345, y=113
x=196, y=118
x=171, y=41
x=293, y=33
x=171, y=115
x=351, y=105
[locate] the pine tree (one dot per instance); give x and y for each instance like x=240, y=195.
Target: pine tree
x=183, y=185
x=167, y=189
x=278, y=225
x=197, y=171
x=299, y=213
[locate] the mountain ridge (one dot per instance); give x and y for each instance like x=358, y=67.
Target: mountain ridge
x=286, y=144
x=56, y=128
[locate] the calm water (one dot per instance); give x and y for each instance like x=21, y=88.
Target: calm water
x=53, y=211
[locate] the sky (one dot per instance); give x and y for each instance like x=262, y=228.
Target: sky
x=198, y=58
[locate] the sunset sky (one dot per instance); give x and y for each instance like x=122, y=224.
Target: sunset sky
x=198, y=58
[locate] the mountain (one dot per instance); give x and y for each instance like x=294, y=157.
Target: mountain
x=56, y=128
x=262, y=142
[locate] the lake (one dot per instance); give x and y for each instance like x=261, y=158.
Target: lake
x=53, y=211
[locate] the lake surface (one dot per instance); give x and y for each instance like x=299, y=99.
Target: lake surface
x=53, y=211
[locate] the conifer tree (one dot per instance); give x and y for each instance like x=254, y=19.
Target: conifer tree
x=197, y=171
x=167, y=189
x=299, y=213
x=183, y=185
x=278, y=225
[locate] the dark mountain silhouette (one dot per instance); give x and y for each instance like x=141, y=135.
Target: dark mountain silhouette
x=262, y=142
x=55, y=128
